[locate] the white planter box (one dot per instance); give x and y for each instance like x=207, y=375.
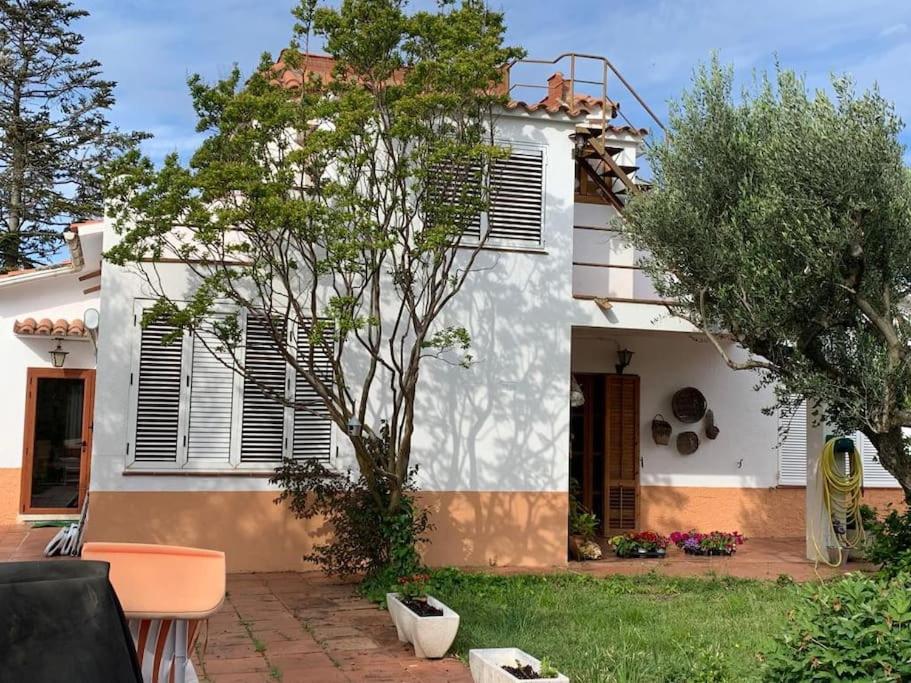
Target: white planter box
x=431, y=636
x=487, y=665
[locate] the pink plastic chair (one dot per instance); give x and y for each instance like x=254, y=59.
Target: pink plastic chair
x=165, y=591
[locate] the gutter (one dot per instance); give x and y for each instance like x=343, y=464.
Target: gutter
x=76, y=264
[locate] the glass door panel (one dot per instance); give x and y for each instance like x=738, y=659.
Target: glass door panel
x=58, y=443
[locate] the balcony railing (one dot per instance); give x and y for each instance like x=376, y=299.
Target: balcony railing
x=606, y=266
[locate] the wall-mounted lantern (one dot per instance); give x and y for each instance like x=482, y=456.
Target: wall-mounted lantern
x=58, y=355
x=624, y=357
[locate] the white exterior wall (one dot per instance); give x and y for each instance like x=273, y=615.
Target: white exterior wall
x=499, y=426
x=52, y=296
x=745, y=453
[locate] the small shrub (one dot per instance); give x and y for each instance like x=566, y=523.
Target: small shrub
x=366, y=538
x=584, y=524
x=890, y=543
x=856, y=628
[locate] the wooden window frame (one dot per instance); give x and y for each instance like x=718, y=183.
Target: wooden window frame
x=28, y=439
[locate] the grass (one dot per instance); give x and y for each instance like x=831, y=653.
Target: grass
x=623, y=629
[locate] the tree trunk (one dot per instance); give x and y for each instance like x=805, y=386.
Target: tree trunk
x=890, y=447
x=11, y=253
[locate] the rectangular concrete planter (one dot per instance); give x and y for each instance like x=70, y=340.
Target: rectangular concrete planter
x=431, y=636
x=487, y=665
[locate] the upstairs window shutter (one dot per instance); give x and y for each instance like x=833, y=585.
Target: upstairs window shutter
x=158, y=393
x=263, y=416
x=449, y=185
x=792, y=451
x=312, y=436
x=212, y=380
x=516, y=197
x=875, y=475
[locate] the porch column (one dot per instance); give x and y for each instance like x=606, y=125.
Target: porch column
x=818, y=525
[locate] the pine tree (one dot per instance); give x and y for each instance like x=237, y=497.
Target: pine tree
x=54, y=134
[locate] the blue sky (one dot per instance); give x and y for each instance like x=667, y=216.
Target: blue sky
x=150, y=48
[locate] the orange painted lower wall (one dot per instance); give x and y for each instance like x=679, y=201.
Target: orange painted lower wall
x=471, y=528
x=761, y=513
x=10, y=485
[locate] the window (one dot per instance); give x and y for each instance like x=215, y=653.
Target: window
x=792, y=455
x=192, y=410
x=516, y=203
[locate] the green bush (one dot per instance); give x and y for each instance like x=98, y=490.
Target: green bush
x=890, y=543
x=367, y=538
x=854, y=629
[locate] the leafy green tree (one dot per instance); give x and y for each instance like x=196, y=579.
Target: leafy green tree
x=781, y=220
x=341, y=204
x=53, y=130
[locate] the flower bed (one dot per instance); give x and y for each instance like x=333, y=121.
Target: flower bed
x=693, y=542
x=640, y=544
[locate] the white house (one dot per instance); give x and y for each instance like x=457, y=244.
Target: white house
x=178, y=456
x=46, y=411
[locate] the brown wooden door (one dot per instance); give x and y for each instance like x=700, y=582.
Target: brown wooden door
x=57, y=441
x=621, y=438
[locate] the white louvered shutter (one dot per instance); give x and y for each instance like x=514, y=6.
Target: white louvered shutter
x=875, y=475
x=211, y=402
x=448, y=188
x=312, y=427
x=158, y=390
x=792, y=450
x=263, y=415
x=516, y=197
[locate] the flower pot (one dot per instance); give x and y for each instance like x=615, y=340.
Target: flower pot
x=431, y=636
x=581, y=549
x=487, y=665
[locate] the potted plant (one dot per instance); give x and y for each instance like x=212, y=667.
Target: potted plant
x=582, y=529
x=714, y=543
x=420, y=619
x=646, y=544
x=509, y=664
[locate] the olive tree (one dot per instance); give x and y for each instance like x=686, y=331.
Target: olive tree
x=781, y=219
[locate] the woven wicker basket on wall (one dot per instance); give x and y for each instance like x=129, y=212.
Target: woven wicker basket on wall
x=661, y=430
x=687, y=443
x=688, y=405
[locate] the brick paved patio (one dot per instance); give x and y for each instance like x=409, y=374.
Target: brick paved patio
x=304, y=627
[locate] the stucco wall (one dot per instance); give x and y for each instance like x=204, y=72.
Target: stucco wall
x=55, y=297
x=745, y=452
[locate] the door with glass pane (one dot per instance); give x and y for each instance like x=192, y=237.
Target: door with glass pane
x=57, y=443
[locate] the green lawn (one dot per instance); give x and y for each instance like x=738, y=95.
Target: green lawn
x=645, y=628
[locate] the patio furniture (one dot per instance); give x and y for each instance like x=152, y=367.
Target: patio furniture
x=61, y=621
x=165, y=591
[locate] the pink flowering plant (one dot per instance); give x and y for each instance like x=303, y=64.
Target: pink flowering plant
x=712, y=543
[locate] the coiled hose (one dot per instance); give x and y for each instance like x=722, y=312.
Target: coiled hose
x=842, y=493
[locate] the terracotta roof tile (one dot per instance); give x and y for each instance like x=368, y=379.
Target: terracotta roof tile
x=45, y=327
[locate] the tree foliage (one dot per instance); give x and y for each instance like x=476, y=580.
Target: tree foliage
x=782, y=220
x=337, y=204
x=54, y=134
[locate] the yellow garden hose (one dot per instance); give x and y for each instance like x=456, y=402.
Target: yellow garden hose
x=841, y=493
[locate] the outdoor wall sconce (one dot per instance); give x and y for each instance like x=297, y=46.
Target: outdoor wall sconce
x=354, y=427
x=58, y=355
x=624, y=357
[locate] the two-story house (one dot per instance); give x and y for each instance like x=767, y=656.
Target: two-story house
x=575, y=357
